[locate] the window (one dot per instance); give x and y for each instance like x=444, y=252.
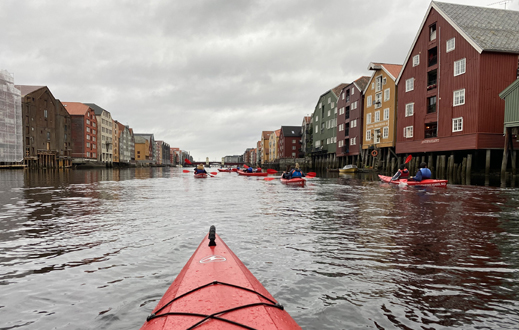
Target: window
x=354, y=105
x=432, y=79
x=293, y=141
x=317, y=143
x=385, y=132
x=409, y=109
x=45, y=114
x=378, y=100
x=88, y=144
x=459, y=97
x=457, y=124
x=369, y=101
x=88, y=129
x=386, y=114
x=368, y=118
x=352, y=91
x=368, y=135
x=378, y=82
x=341, y=127
x=353, y=141
x=293, y=147
x=377, y=116
x=459, y=67
x=408, y=132
x=329, y=100
x=329, y=113
x=316, y=118
x=451, y=45
x=432, y=56
x=343, y=95
x=430, y=130
x=317, y=129
x=88, y=137
x=431, y=104
x=416, y=60
x=386, y=94
x=353, y=123
x=409, y=84
x=432, y=32
x=341, y=111
x=293, y=154
x=48, y=135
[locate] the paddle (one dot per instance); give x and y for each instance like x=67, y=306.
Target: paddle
x=187, y=161
x=407, y=160
x=311, y=174
x=271, y=171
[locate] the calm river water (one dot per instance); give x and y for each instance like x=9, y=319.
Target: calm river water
x=96, y=249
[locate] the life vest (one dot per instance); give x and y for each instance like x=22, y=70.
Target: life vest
x=404, y=174
x=249, y=170
x=426, y=173
x=297, y=174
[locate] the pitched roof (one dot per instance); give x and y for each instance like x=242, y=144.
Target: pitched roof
x=25, y=90
x=392, y=70
x=362, y=82
x=292, y=130
x=140, y=139
x=337, y=90
x=307, y=119
x=512, y=87
x=266, y=134
x=278, y=132
x=487, y=29
x=97, y=109
x=76, y=108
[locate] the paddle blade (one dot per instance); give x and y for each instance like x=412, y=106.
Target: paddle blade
x=187, y=161
x=269, y=179
x=214, y=173
x=408, y=159
x=245, y=166
x=271, y=171
x=311, y=174
x=186, y=171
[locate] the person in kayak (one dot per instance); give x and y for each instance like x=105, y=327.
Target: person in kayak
x=402, y=173
x=249, y=170
x=422, y=174
x=296, y=172
x=200, y=169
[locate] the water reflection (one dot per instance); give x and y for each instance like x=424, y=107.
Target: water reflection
x=100, y=247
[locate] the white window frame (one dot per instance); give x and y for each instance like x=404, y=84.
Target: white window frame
x=460, y=67
x=353, y=123
x=458, y=97
x=368, y=118
x=354, y=105
x=457, y=124
x=387, y=94
x=317, y=118
x=353, y=141
x=316, y=129
x=450, y=45
x=408, y=132
x=385, y=132
x=378, y=100
x=369, y=100
x=378, y=83
x=341, y=111
x=416, y=60
x=377, y=116
x=409, y=84
x=409, y=109
x=352, y=90
x=386, y=114
x=368, y=135
x=341, y=127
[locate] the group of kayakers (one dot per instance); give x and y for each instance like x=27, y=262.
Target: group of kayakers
x=403, y=173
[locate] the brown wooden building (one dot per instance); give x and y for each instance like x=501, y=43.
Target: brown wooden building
x=47, y=129
x=448, y=91
x=349, y=121
x=84, y=132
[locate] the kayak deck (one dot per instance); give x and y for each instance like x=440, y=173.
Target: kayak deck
x=426, y=182
x=200, y=175
x=253, y=173
x=294, y=182
x=215, y=290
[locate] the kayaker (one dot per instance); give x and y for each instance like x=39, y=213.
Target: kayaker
x=249, y=170
x=422, y=174
x=402, y=173
x=296, y=172
x=200, y=169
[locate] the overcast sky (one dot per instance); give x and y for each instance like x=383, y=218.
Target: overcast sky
x=205, y=76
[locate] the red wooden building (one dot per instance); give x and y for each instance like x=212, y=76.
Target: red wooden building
x=349, y=121
x=84, y=131
x=448, y=90
x=289, y=145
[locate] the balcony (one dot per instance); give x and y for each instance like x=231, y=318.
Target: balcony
x=431, y=108
x=346, y=132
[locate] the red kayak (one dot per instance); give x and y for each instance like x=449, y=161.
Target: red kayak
x=234, y=169
x=253, y=173
x=200, y=175
x=215, y=290
x=224, y=170
x=294, y=182
x=426, y=182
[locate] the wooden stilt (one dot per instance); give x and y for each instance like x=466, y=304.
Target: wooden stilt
x=469, y=168
x=487, y=163
x=504, y=162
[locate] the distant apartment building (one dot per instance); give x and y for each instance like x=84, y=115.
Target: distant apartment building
x=11, y=129
x=290, y=142
x=105, y=143
x=83, y=131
